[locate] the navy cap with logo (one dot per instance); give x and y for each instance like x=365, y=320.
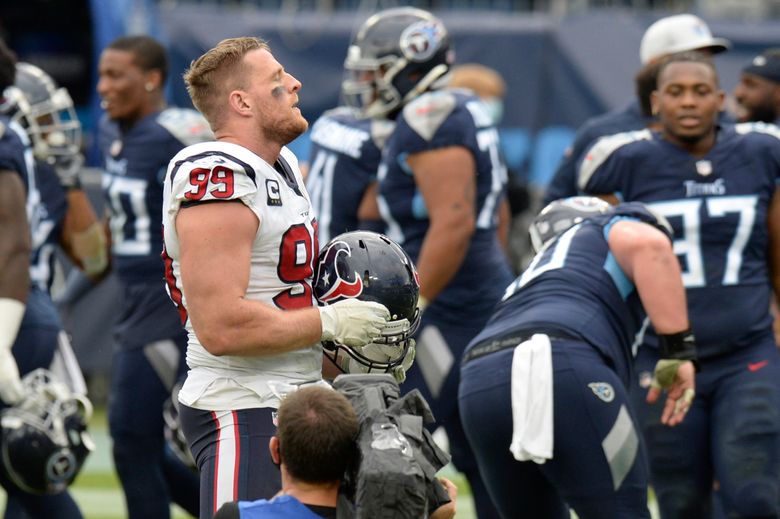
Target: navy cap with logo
x=765, y=65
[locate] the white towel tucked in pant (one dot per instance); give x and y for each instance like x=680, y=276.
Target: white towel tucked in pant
x=532, y=400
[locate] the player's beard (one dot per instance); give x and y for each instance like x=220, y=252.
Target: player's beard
x=762, y=113
x=289, y=131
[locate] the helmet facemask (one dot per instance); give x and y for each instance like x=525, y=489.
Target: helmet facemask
x=371, y=267
x=45, y=438
x=47, y=115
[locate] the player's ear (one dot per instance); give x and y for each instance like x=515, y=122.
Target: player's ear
x=239, y=102
x=273, y=447
x=153, y=80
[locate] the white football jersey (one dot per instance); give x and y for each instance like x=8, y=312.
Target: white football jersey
x=283, y=256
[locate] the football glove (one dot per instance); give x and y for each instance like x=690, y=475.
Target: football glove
x=352, y=322
x=11, y=390
x=382, y=353
x=665, y=376
x=68, y=169
x=11, y=314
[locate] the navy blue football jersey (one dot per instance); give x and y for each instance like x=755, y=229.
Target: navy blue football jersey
x=15, y=152
x=50, y=215
x=16, y=155
x=564, y=183
x=136, y=160
x=575, y=288
x=345, y=155
x=437, y=120
x=717, y=205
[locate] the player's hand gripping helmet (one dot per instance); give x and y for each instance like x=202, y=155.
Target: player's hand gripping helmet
x=396, y=55
x=44, y=438
x=47, y=114
x=560, y=215
x=371, y=267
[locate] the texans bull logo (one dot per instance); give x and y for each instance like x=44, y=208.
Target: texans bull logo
x=331, y=283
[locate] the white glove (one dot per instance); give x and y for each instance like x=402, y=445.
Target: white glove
x=380, y=353
x=11, y=390
x=353, y=322
x=11, y=314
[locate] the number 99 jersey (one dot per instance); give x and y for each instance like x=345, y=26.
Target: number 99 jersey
x=282, y=264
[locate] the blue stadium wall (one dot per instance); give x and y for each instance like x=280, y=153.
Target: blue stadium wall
x=559, y=71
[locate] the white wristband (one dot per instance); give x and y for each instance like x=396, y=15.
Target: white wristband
x=11, y=313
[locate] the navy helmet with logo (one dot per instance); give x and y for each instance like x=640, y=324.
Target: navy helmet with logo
x=397, y=55
x=371, y=267
x=558, y=216
x=44, y=437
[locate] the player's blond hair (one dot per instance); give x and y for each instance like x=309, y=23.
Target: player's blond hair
x=484, y=81
x=217, y=72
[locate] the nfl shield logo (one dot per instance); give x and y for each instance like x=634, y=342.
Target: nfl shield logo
x=704, y=167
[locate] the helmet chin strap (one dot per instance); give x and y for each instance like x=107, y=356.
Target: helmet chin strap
x=433, y=75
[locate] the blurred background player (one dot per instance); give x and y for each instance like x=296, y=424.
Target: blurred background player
x=137, y=137
x=28, y=319
x=441, y=182
x=758, y=92
x=548, y=377
x=717, y=187
x=518, y=207
x=346, y=147
x=669, y=35
x=240, y=247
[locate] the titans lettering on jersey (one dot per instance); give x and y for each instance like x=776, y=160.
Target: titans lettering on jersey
x=432, y=121
x=135, y=164
x=282, y=262
x=590, y=299
x=345, y=156
x=718, y=206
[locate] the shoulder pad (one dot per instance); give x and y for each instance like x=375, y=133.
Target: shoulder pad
x=644, y=213
x=758, y=127
x=603, y=149
x=380, y=131
x=426, y=113
x=187, y=125
x=341, y=111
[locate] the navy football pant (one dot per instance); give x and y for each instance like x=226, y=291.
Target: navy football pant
x=436, y=374
x=231, y=451
x=34, y=348
x=151, y=476
x=598, y=464
x=731, y=434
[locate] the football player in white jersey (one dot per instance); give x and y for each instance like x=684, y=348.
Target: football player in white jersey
x=240, y=245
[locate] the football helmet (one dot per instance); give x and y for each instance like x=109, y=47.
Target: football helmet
x=560, y=215
x=44, y=438
x=396, y=55
x=174, y=436
x=47, y=114
x=371, y=267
